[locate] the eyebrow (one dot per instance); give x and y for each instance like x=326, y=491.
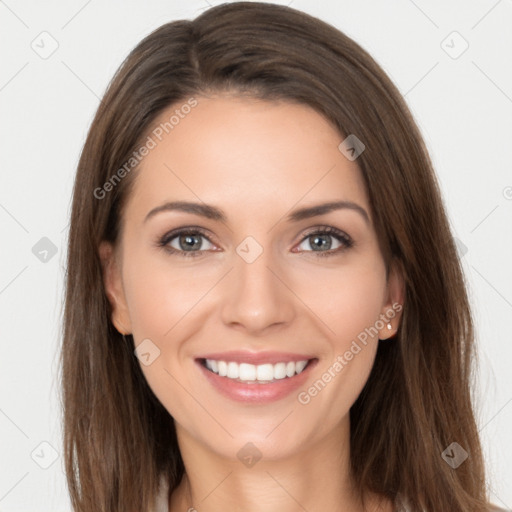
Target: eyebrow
x=214, y=213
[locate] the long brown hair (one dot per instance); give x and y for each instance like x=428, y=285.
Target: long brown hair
x=118, y=438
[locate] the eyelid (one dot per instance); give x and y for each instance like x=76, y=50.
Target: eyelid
x=343, y=238
x=186, y=229
x=164, y=241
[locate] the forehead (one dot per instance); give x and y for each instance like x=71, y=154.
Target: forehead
x=245, y=152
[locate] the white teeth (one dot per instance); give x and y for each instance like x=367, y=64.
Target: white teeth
x=300, y=365
x=280, y=371
x=232, y=371
x=247, y=372
x=250, y=372
x=264, y=372
x=223, y=368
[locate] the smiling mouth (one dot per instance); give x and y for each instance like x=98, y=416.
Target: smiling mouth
x=256, y=374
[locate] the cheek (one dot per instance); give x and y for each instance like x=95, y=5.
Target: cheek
x=348, y=361
x=345, y=300
x=162, y=302
x=348, y=304
x=158, y=303
x=160, y=296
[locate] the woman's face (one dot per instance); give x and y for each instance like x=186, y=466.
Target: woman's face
x=251, y=286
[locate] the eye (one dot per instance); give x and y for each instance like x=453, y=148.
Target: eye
x=187, y=242
x=320, y=238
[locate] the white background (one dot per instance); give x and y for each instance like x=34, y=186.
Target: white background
x=463, y=107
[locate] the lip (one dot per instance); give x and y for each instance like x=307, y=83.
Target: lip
x=241, y=356
x=256, y=393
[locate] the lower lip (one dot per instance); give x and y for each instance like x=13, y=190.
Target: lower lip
x=257, y=393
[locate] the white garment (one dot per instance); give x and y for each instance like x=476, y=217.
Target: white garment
x=162, y=499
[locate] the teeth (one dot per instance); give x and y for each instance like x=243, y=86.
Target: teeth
x=247, y=372
x=232, y=371
x=255, y=373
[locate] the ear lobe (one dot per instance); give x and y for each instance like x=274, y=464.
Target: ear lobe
x=391, y=313
x=112, y=283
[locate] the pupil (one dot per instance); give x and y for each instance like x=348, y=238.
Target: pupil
x=324, y=238
x=190, y=242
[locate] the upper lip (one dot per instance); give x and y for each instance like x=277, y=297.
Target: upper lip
x=256, y=358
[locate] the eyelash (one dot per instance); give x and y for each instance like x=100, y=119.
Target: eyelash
x=335, y=233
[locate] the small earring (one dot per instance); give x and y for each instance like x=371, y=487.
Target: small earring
x=390, y=327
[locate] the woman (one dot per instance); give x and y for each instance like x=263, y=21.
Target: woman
x=264, y=307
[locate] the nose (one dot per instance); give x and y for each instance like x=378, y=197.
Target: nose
x=257, y=297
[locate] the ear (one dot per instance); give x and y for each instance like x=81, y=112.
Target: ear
x=112, y=281
x=391, y=312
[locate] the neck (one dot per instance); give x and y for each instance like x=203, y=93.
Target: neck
x=315, y=479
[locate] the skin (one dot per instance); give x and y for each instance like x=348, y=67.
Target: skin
x=257, y=161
